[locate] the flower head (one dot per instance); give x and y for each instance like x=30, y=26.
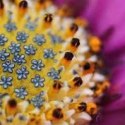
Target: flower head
x=51, y=69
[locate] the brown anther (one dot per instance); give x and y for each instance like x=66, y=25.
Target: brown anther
x=12, y=1
x=68, y=56
x=1, y=4
x=74, y=27
x=41, y=1
x=12, y=103
x=23, y=4
x=77, y=81
x=82, y=107
x=75, y=42
x=48, y=18
x=32, y=119
x=87, y=66
x=57, y=113
x=57, y=85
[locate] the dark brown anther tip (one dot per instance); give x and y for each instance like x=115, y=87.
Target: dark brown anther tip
x=57, y=85
x=57, y=113
x=87, y=66
x=1, y=4
x=41, y=1
x=75, y=42
x=77, y=81
x=74, y=27
x=12, y=103
x=23, y=4
x=48, y=18
x=68, y=56
x=82, y=107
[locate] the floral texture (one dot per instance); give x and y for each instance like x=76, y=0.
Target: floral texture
x=106, y=19
x=50, y=65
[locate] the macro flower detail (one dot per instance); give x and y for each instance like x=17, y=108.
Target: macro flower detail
x=8, y=66
x=30, y=50
x=49, y=54
x=22, y=73
x=19, y=59
x=37, y=65
x=4, y=54
x=5, y=82
x=22, y=37
x=51, y=68
x=38, y=100
x=14, y=48
x=54, y=74
x=31, y=26
x=10, y=26
x=38, y=81
x=3, y=39
x=55, y=39
x=39, y=39
x=21, y=92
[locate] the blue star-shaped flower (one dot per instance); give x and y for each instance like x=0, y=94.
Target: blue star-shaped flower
x=10, y=26
x=6, y=81
x=22, y=37
x=39, y=39
x=22, y=73
x=37, y=101
x=55, y=39
x=54, y=74
x=14, y=48
x=31, y=26
x=30, y=50
x=8, y=66
x=3, y=39
x=38, y=81
x=4, y=54
x=48, y=53
x=37, y=65
x=19, y=59
x=21, y=92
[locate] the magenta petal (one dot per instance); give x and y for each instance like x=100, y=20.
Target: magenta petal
x=77, y=6
x=105, y=14
x=113, y=118
x=114, y=112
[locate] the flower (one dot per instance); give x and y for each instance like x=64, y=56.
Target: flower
x=6, y=81
x=37, y=101
x=4, y=55
x=3, y=39
x=22, y=73
x=38, y=81
x=105, y=19
x=8, y=66
x=37, y=65
x=31, y=26
x=21, y=92
x=19, y=59
x=21, y=36
x=30, y=50
x=48, y=53
x=52, y=72
x=10, y=26
x=39, y=39
x=14, y=48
